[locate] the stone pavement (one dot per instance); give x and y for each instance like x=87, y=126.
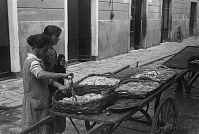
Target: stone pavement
x=11, y=91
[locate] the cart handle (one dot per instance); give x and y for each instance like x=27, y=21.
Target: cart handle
x=38, y=125
x=117, y=71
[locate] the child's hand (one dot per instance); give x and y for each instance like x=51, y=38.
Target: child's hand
x=69, y=76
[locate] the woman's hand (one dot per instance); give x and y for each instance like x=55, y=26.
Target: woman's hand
x=68, y=75
x=60, y=86
x=63, y=88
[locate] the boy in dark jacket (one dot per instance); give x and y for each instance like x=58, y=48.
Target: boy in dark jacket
x=61, y=67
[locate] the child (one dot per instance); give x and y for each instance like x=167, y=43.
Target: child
x=60, y=67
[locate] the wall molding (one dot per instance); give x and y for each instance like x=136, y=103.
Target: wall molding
x=13, y=35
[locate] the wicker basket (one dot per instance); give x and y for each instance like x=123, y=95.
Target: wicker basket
x=92, y=107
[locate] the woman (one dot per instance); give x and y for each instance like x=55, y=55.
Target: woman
x=50, y=58
x=50, y=61
x=35, y=83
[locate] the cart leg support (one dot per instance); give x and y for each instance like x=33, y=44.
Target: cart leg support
x=157, y=100
x=74, y=126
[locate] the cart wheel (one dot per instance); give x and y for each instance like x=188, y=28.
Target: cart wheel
x=165, y=118
x=89, y=125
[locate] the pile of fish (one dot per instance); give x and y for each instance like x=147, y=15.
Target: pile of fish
x=84, y=98
x=156, y=75
x=138, y=88
x=99, y=80
x=146, y=81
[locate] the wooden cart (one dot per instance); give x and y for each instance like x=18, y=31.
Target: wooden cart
x=164, y=119
x=165, y=111
x=165, y=115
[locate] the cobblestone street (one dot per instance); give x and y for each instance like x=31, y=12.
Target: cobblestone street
x=11, y=91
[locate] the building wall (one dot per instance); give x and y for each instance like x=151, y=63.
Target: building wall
x=33, y=16
x=197, y=30
x=180, y=15
x=153, y=26
x=113, y=34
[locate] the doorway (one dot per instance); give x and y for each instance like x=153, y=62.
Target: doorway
x=136, y=23
x=4, y=39
x=132, y=24
x=193, y=19
x=165, y=20
x=79, y=30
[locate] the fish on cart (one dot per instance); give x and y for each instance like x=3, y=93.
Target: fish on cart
x=99, y=80
x=161, y=75
x=138, y=88
x=81, y=99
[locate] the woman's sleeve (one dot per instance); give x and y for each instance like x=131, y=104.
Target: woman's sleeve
x=35, y=68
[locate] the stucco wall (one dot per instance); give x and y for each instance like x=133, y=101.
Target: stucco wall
x=113, y=38
x=33, y=16
x=114, y=33
x=153, y=26
x=180, y=16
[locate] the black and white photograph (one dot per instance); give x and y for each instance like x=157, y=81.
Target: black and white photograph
x=99, y=67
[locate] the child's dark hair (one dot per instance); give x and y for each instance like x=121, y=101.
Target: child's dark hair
x=60, y=56
x=38, y=41
x=51, y=30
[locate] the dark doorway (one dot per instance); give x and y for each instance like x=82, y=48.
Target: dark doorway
x=136, y=23
x=4, y=39
x=84, y=11
x=193, y=20
x=79, y=30
x=132, y=24
x=165, y=20
x=73, y=30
